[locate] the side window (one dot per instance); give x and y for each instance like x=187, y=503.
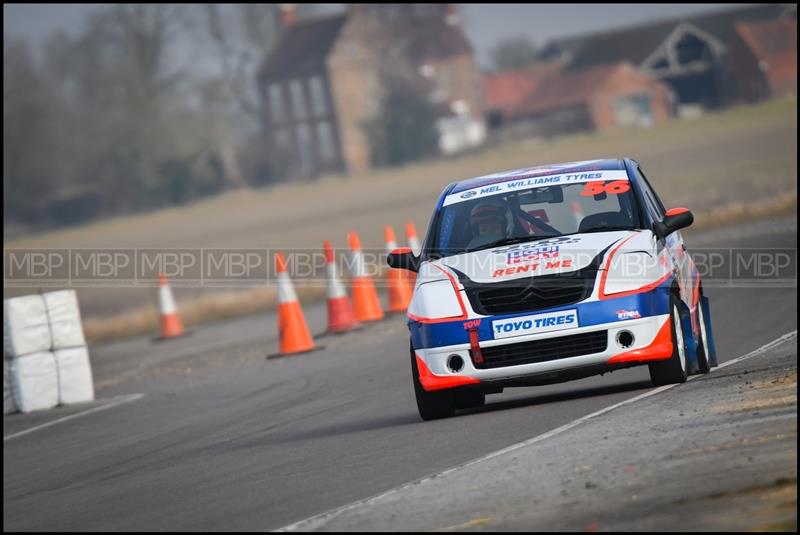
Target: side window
x=654, y=196
x=654, y=207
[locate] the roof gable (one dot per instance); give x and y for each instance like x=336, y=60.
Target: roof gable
x=666, y=53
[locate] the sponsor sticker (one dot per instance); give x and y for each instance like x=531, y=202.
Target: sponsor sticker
x=538, y=323
x=628, y=314
x=541, y=267
x=598, y=187
x=471, y=324
x=519, y=256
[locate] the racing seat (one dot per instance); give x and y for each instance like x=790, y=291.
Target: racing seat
x=612, y=219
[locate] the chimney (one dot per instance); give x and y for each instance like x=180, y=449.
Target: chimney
x=451, y=15
x=288, y=14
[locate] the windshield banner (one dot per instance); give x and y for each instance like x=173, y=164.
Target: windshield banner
x=514, y=184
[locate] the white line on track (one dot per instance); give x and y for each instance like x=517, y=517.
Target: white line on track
x=314, y=522
x=114, y=402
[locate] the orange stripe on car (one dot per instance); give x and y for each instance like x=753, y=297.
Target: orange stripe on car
x=431, y=382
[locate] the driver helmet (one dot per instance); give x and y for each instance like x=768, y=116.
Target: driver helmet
x=488, y=212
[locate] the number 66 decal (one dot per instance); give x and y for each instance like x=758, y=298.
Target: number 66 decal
x=596, y=187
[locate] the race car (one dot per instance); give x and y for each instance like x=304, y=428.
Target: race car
x=550, y=274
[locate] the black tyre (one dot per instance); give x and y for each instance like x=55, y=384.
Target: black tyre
x=431, y=405
x=469, y=398
x=667, y=372
x=702, y=343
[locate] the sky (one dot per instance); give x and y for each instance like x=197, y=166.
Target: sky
x=485, y=24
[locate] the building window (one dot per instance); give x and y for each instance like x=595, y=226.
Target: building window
x=326, y=144
x=298, y=99
x=305, y=149
x=276, y=103
x=633, y=110
x=317, y=96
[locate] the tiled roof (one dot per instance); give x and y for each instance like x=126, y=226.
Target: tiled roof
x=435, y=39
x=635, y=44
x=303, y=49
x=507, y=90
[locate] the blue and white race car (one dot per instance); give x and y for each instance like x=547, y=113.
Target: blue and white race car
x=549, y=274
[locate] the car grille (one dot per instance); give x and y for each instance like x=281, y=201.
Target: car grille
x=529, y=294
x=561, y=347
x=517, y=298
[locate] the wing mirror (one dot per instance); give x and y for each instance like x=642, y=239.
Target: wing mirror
x=674, y=219
x=403, y=258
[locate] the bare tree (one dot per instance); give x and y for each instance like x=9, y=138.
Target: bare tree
x=117, y=111
x=31, y=150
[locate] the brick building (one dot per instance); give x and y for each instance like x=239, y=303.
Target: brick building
x=558, y=101
x=598, y=98
x=507, y=91
x=687, y=53
x=323, y=80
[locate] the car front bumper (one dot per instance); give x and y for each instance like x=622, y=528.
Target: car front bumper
x=651, y=341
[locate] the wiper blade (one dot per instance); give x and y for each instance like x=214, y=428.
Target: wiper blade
x=509, y=241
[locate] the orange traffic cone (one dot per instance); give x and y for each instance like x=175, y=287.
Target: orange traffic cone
x=399, y=288
x=171, y=324
x=411, y=236
x=365, y=298
x=340, y=311
x=294, y=335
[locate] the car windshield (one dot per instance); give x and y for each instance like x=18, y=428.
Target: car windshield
x=471, y=221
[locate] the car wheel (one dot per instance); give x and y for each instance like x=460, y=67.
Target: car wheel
x=469, y=398
x=702, y=346
x=672, y=371
x=431, y=405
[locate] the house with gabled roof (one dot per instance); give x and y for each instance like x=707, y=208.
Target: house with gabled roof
x=687, y=53
x=322, y=81
x=548, y=100
x=597, y=98
x=506, y=91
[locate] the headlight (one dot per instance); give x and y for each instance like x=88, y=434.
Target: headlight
x=435, y=300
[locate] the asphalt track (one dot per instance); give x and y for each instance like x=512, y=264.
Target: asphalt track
x=224, y=439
